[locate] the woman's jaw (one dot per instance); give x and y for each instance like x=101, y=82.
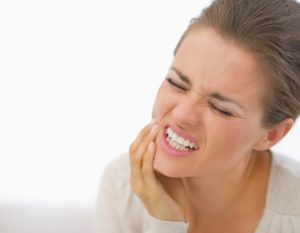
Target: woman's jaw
x=175, y=150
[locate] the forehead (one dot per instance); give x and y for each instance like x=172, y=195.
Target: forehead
x=215, y=64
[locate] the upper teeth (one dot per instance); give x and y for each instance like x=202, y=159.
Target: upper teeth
x=179, y=142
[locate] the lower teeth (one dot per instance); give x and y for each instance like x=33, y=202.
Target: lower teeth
x=177, y=146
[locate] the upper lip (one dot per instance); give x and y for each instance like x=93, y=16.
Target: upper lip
x=181, y=133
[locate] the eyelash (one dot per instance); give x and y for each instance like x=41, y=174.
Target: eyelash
x=173, y=83
x=222, y=112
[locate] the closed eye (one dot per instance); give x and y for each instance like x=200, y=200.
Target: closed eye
x=175, y=84
x=220, y=111
x=224, y=113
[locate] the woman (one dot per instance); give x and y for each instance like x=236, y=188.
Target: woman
x=204, y=163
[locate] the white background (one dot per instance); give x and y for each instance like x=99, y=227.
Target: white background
x=77, y=83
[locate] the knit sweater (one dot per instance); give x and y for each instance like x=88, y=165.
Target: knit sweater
x=121, y=211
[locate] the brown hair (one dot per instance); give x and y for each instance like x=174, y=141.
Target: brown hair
x=271, y=30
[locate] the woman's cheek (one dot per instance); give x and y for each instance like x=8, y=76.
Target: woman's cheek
x=163, y=103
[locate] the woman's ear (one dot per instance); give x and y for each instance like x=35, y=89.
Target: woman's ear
x=274, y=134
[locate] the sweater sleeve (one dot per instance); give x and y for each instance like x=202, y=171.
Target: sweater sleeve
x=157, y=225
x=107, y=218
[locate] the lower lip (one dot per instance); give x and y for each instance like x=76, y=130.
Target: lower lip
x=170, y=150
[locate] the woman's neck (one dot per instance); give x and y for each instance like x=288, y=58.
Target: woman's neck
x=230, y=193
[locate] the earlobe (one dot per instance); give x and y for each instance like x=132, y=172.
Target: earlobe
x=274, y=135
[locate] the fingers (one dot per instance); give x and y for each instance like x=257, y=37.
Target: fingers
x=138, y=150
x=141, y=136
x=147, y=166
x=147, y=140
x=144, y=182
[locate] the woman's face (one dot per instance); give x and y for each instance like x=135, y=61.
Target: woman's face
x=210, y=106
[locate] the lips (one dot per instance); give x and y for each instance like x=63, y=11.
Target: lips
x=180, y=141
x=176, y=142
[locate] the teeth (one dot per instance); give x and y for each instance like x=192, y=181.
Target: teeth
x=179, y=143
x=180, y=140
x=174, y=136
x=182, y=148
x=186, y=143
x=168, y=131
x=173, y=144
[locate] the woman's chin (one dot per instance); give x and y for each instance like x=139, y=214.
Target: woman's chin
x=166, y=167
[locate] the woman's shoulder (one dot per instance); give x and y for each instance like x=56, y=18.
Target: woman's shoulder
x=286, y=171
x=119, y=208
x=284, y=185
x=286, y=164
x=118, y=168
x=282, y=212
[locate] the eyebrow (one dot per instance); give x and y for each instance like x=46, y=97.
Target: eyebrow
x=183, y=77
x=214, y=95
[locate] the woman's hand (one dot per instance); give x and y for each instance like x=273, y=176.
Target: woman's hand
x=145, y=183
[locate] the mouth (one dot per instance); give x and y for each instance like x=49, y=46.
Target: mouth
x=177, y=143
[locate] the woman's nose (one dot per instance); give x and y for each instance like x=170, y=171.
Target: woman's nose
x=187, y=110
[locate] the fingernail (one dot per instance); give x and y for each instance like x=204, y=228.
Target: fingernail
x=150, y=145
x=153, y=121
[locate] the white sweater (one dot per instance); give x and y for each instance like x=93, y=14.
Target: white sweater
x=121, y=211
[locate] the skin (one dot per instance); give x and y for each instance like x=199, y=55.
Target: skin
x=227, y=177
